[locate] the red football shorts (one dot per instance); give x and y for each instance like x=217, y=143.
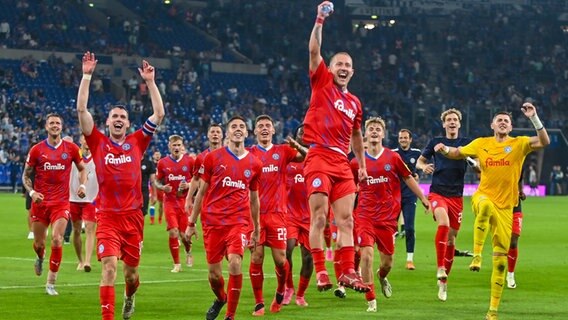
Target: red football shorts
x=300, y=232
x=517, y=223
x=220, y=241
x=49, y=212
x=160, y=195
x=383, y=236
x=82, y=211
x=175, y=215
x=328, y=171
x=273, y=231
x=452, y=205
x=120, y=235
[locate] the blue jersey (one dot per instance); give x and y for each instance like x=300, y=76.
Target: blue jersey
x=409, y=157
x=448, y=176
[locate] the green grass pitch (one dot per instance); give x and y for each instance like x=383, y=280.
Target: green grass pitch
x=541, y=277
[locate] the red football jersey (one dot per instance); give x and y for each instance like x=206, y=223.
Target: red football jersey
x=298, y=205
x=272, y=190
x=173, y=172
x=199, y=161
x=52, y=166
x=118, y=170
x=379, y=195
x=332, y=114
x=230, y=179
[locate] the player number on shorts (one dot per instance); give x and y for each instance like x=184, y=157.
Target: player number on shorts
x=281, y=234
x=244, y=240
x=460, y=218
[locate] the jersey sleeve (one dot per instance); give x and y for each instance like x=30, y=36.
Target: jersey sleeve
x=76, y=154
x=159, y=170
x=401, y=167
x=359, y=116
x=526, y=145
x=290, y=154
x=206, y=168
x=318, y=78
x=197, y=165
x=33, y=155
x=94, y=139
x=428, y=152
x=143, y=139
x=255, y=181
x=471, y=149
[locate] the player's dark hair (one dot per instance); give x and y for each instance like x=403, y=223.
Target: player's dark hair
x=236, y=117
x=119, y=106
x=506, y=113
x=54, y=115
x=407, y=131
x=263, y=117
x=214, y=125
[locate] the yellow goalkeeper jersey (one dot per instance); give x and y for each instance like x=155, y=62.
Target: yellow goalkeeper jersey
x=501, y=164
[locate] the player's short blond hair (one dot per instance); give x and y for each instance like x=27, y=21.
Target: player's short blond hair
x=378, y=120
x=174, y=137
x=450, y=111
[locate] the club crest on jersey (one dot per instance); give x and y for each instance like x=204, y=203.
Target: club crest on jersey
x=126, y=146
x=508, y=149
x=247, y=173
x=412, y=160
x=387, y=167
x=101, y=248
x=64, y=155
x=276, y=156
x=143, y=167
x=434, y=204
x=184, y=168
x=316, y=183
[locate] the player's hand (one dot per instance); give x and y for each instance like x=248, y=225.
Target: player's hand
x=37, y=197
x=254, y=238
x=522, y=196
x=426, y=205
x=147, y=71
x=89, y=63
x=167, y=188
x=528, y=109
x=362, y=172
x=81, y=192
x=190, y=232
x=184, y=185
x=441, y=148
x=322, y=14
x=428, y=169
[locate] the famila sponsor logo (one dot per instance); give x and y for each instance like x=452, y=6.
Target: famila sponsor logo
x=490, y=162
x=270, y=168
x=381, y=179
x=178, y=177
x=122, y=159
x=340, y=106
x=48, y=166
x=299, y=178
x=227, y=182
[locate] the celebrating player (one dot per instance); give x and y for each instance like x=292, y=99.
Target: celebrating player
x=228, y=198
x=117, y=160
x=501, y=158
x=173, y=172
x=446, y=194
x=50, y=161
x=272, y=191
x=332, y=124
x=83, y=209
x=409, y=156
x=298, y=228
x=378, y=206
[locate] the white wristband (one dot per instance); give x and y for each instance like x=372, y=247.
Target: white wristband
x=82, y=186
x=536, y=122
x=31, y=193
x=472, y=163
x=87, y=76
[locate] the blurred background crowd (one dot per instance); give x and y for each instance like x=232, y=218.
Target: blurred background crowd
x=412, y=61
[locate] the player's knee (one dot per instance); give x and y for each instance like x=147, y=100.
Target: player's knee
x=234, y=266
x=345, y=223
x=319, y=222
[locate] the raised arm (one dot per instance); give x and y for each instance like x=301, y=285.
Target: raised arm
x=542, y=139
x=85, y=118
x=147, y=72
x=314, y=45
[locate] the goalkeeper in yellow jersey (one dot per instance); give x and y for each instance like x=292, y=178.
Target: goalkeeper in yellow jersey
x=501, y=159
